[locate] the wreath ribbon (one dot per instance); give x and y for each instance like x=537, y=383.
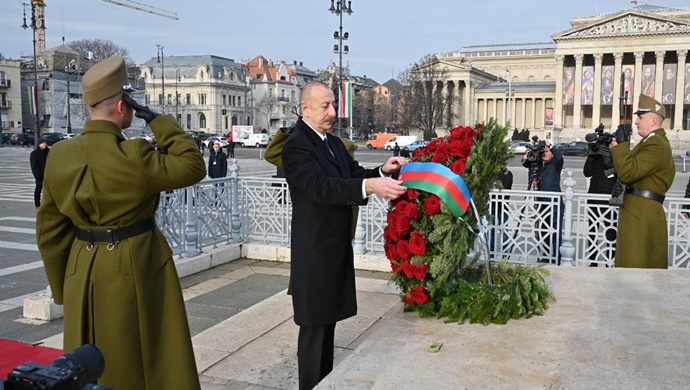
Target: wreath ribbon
x=439, y=180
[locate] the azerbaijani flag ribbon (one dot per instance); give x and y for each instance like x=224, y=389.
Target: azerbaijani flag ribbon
x=439, y=180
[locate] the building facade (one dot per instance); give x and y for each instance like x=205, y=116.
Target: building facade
x=10, y=96
x=591, y=73
x=204, y=92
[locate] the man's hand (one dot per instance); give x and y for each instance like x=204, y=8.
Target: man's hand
x=385, y=187
x=394, y=164
x=622, y=134
x=142, y=112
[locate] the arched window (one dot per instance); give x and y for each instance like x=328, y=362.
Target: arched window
x=202, y=121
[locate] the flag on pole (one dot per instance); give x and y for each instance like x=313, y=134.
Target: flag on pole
x=33, y=102
x=345, y=105
x=439, y=180
x=634, y=1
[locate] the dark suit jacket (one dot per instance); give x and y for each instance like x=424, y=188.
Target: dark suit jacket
x=323, y=188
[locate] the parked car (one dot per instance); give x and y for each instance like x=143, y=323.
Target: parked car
x=22, y=139
x=401, y=140
x=519, y=147
x=208, y=142
x=6, y=137
x=415, y=145
x=578, y=148
x=53, y=138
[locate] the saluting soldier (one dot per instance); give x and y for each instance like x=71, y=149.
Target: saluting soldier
x=105, y=259
x=648, y=170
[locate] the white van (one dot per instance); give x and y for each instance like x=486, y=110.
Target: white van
x=402, y=140
x=258, y=140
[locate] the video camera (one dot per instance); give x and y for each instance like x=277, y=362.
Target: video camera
x=535, y=151
x=598, y=139
x=75, y=370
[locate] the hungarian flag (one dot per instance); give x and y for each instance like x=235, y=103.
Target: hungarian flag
x=345, y=104
x=33, y=102
x=439, y=180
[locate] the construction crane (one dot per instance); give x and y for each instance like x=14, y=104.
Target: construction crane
x=145, y=8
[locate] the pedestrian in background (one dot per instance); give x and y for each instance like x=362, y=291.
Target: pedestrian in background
x=107, y=262
x=231, y=149
x=396, y=150
x=38, y=159
x=217, y=163
x=599, y=183
x=648, y=170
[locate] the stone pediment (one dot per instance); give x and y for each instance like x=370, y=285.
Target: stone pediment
x=626, y=23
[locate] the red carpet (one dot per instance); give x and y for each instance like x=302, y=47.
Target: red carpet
x=14, y=353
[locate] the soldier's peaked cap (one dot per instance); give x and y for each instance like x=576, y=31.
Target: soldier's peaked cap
x=649, y=104
x=105, y=79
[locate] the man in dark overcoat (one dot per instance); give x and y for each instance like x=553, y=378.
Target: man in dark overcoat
x=325, y=182
x=105, y=259
x=38, y=159
x=648, y=170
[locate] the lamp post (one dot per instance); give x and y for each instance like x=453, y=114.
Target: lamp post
x=69, y=69
x=510, y=94
x=36, y=24
x=161, y=60
x=338, y=7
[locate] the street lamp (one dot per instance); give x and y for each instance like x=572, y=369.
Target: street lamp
x=37, y=23
x=69, y=70
x=161, y=60
x=510, y=94
x=338, y=7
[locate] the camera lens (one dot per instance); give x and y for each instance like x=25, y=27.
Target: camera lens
x=86, y=361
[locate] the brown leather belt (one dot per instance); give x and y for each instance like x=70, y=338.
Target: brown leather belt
x=645, y=194
x=111, y=235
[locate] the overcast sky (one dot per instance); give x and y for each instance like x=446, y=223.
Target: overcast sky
x=385, y=35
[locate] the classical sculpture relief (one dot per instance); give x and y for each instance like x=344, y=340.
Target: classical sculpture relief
x=632, y=24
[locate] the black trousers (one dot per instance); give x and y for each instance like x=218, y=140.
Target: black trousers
x=314, y=354
x=37, y=194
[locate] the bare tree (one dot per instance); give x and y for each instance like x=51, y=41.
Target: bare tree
x=266, y=105
x=100, y=49
x=423, y=103
x=382, y=111
x=363, y=111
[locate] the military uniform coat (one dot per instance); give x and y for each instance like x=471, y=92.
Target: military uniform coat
x=642, y=230
x=323, y=189
x=126, y=300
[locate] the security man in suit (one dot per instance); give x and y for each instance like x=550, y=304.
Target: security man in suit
x=325, y=182
x=105, y=259
x=648, y=170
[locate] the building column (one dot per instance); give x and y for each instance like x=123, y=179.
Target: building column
x=534, y=115
x=577, y=106
x=680, y=90
x=616, y=103
x=558, y=98
x=468, y=103
x=659, y=76
x=596, y=103
x=637, y=89
x=474, y=106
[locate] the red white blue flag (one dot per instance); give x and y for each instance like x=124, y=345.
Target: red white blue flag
x=345, y=104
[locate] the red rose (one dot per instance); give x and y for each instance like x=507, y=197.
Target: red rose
x=418, y=295
x=395, y=266
x=412, y=193
x=466, y=148
x=458, y=167
x=439, y=158
x=455, y=134
x=406, y=300
x=432, y=205
x=455, y=148
x=467, y=133
x=433, y=145
x=443, y=147
x=402, y=225
x=390, y=218
x=420, y=271
x=403, y=250
x=401, y=206
x=419, y=152
x=408, y=269
x=391, y=251
x=417, y=244
x=412, y=212
x=480, y=128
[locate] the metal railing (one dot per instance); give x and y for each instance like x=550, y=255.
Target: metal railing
x=525, y=227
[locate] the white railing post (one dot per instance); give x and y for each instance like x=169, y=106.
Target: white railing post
x=235, y=222
x=360, y=233
x=567, y=249
x=191, y=235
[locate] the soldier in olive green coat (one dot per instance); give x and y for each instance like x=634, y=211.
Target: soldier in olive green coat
x=648, y=170
x=121, y=293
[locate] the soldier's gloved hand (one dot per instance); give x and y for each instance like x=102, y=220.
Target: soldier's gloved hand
x=140, y=111
x=623, y=133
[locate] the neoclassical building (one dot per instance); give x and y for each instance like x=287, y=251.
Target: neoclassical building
x=591, y=73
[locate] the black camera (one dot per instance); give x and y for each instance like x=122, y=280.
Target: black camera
x=535, y=151
x=75, y=370
x=598, y=140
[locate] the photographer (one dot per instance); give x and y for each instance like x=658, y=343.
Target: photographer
x=549, y=179
x=648, y=170
x=600, y=183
